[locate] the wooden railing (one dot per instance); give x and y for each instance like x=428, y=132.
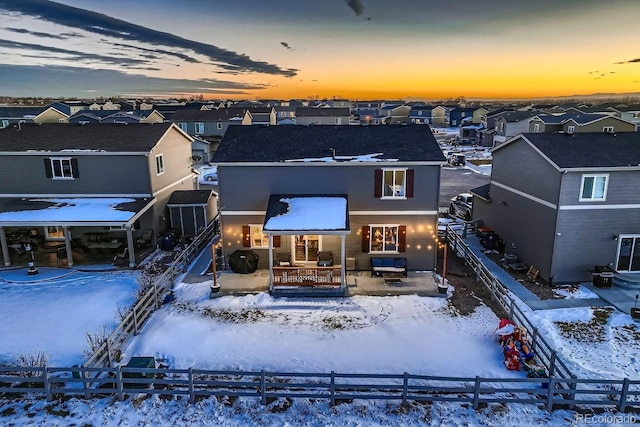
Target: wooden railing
x=307, y=276
x=122, y=382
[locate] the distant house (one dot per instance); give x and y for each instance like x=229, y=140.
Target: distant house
x=306, y=116
x=458, y=114
x=395, y=113
x=630, y=113
x=90, y=187
x=13, y=115
x=420, y=115
x=509, y=124
x=573, y=123
x=440, y=116
x=565, y=203
x=367, y=191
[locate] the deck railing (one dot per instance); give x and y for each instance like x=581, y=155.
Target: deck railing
x=307, y=276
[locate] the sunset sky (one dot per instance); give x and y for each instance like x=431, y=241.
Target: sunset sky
x=365, y=49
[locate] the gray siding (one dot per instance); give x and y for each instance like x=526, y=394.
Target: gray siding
x=249, y=187
x=519, y=166
x=320, y=120
x=527, y=227
x=176, y=153
x=623, y=188
x=99, y=174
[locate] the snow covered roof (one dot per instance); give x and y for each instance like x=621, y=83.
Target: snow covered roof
x=293, y=214
x=71, y=211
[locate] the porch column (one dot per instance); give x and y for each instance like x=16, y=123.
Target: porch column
x=270, y=262
x=67, y=245
x=343, y=260
x=132, y=255
x=5, y=247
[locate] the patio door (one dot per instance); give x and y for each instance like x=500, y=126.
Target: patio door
x=305, y=248
x=628, y=259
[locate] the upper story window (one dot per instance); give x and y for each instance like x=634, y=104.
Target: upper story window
x=159, y=164
x=607, y=129
x=393, y=183
x=571, y=129
x=5, y=123
x=218, y=125
x=61, y=168
x=199, y=127
x=536, y=127
x=594, y=188
x=337, y=120
x=501, y=127
x=183, y=126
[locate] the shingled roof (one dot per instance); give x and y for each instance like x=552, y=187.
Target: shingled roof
x=99, y=137
x=281, y=143
x=588, y=149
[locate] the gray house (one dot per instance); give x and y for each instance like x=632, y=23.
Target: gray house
x=378, y=187
x=306, y=116
x=89, y=186
x=566, y=203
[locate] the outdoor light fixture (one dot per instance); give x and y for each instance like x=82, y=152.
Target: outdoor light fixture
x=615, y=237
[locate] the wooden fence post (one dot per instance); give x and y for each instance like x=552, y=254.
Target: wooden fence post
x=511, y=304
x=552, y=363
x=533, y=338
x=623, y=395
x=405, y=388
x=572, y=395
x=192, y=396
x=135, y=321
x=85, y=384
x=155, y=294
x=332, y=389
x=46, y=384
x=108, y=351
x=476, y=393
x=552, y=387
x=263, y=388
x=119, y=385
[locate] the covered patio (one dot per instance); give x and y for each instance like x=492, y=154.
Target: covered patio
x=299, y=215
x=39, y=225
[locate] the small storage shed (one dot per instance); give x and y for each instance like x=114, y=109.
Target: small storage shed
x=192, y=210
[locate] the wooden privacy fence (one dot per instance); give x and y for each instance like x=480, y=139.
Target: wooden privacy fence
x=150, y=300
x=333, y=387
x=545, y=353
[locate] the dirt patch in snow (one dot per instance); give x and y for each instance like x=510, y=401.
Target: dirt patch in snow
x=592, y=331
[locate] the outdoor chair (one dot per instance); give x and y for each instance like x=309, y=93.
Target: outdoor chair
x=325, y=259
x=282, y=259
x=145, y=239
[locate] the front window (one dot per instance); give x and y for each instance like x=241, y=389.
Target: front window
x=183, y=126
x=218, y=126
x=257, y=237
x=594, y=187
x=536, y=127
x=199, y=127
x=607, y=129
x=159, y=164
x=61, y=168
x=5, y=123
x=384, y=238
x=393, y=183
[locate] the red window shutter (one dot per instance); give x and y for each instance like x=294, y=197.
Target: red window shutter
x=365, y=238
x=377, y=189
x=409, y=179
x=276, y=241
x=246, y=236
x=402, y=238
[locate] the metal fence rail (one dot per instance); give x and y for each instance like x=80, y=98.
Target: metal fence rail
x=150, y=300
x=334, y=387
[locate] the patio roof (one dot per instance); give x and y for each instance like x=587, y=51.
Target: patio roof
x=72, y=211
x=307, y=214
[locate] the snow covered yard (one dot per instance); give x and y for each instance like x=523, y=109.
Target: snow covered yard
x=359, y=335
x=53, y=316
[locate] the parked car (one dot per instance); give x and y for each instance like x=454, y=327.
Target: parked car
x=456, y=159
x=462, y=206
x=208, y=175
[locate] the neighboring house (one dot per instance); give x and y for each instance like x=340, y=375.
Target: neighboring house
x=510, y=124
x=597, y=123
x=440, y=115
x=13, y=115
x=263, y=116
x=110, y=116
x=306, y=116
x=70, y=107
x=285, y=112
x=378, y=185
x=546, y=123
x=420, y=114
x=395, y=113
x=458, y=114
x=66, y=181
x=337, y=103
x=630, y=113
x=367, y=117
x=566, y=203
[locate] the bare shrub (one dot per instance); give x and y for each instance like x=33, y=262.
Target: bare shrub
x=94, y=339
x=37, y=359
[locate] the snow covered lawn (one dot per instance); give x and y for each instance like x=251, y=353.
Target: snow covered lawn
x=360, y=334
x=53, y=316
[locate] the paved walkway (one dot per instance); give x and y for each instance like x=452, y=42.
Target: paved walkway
x=621, y=300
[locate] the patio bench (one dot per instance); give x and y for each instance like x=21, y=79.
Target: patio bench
x=388, y=267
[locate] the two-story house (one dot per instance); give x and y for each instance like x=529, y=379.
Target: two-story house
x=565, y=203
x=510, y=124
x=420, y=114
x=355, y=191
x=64, y=182
x=306, y=116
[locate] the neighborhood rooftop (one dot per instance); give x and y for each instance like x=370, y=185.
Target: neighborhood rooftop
x=589, y=149
x=104, y=137
x=281, y=143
